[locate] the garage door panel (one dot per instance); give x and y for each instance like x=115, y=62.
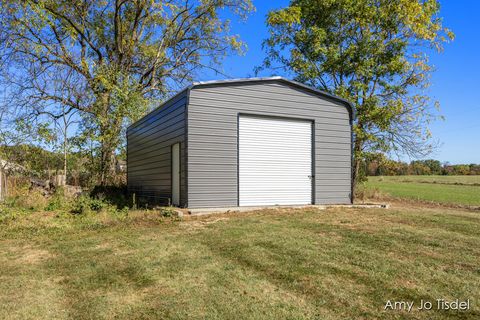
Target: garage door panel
x=275, y=161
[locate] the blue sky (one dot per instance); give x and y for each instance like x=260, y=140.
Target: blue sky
x=455, y=82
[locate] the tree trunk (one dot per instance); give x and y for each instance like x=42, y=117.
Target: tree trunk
x=1, y=186
x=65, y=136
x=108, y=145
x=65, y=157
x=107, y=129
x=357, y=160
x=5, y=181
x=105, y=162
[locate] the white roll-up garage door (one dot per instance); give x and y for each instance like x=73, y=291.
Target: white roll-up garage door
x=275, y=161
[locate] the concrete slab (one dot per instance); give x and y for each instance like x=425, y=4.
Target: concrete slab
x=366, y=206
x=205, y=211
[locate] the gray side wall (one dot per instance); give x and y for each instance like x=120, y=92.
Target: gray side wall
x=212, y=139
x=149, y=158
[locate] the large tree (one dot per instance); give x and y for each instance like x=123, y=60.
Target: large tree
x=109, y=59
x=373, y=53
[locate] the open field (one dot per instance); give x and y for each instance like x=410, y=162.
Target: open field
x=458, y=190
x=469, y=180
x=288, y=264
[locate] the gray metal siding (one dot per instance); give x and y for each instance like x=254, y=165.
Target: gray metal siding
x=149, y=144
x=212, y=138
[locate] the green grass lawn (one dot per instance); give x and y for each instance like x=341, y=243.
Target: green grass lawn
x=289, y=264
x=432, y=179
x=459, y=190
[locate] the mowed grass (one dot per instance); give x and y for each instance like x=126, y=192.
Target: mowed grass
x=285, y=264
x=458, y=190
x=468, y=180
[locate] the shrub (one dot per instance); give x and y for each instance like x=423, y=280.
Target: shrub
x=86, y=204
x=9, y=213
x=97, y=204
x=114, y=195
x=168, y=212
x=58, y=201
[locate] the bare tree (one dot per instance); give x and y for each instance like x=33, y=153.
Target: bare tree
x=114, y=59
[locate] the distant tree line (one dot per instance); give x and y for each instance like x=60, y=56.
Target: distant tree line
x=379, y=165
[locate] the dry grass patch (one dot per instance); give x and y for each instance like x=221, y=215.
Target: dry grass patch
x=33, y=255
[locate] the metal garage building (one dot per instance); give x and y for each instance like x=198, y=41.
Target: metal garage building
x=243, y=142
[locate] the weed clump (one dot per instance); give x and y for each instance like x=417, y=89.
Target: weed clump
x=85, y=204
x=63, y=210
x=168, y=212
x=59, y=201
